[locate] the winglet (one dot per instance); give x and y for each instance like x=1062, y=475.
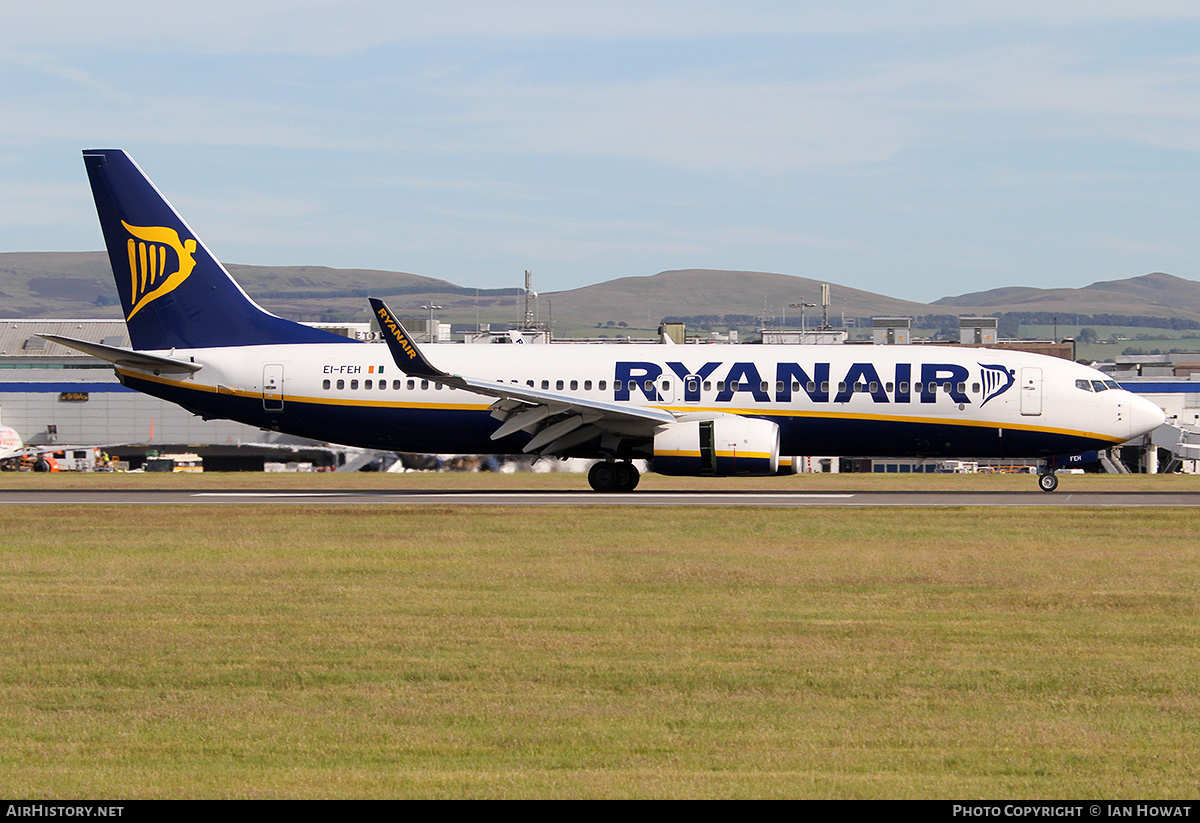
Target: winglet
x=400, y=343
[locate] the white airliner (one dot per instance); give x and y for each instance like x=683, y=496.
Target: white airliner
x=11, y=444
x=199, y=341
x=14, y=451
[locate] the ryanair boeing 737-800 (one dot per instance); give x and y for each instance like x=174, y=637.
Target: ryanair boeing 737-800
x=199, y=341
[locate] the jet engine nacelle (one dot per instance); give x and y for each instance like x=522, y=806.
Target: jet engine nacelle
x=719, y=447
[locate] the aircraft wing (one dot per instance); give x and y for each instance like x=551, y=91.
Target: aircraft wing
x=126, y=357
x=557, y=421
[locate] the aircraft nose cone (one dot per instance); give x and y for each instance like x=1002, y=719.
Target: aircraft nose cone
x=1144, y=416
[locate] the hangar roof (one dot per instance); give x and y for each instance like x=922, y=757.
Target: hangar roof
x=19, y=342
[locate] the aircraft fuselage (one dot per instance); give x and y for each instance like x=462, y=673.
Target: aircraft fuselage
x=849, y=400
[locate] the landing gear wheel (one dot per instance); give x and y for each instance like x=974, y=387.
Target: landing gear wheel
x=602, y=477
x=1048, y=481
x=627, y=477
x=42, y=465
x=607, y=476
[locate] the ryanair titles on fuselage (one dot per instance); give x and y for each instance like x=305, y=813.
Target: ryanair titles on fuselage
x=860, y=378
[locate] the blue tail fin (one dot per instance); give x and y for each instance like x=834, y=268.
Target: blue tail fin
x=174, y=292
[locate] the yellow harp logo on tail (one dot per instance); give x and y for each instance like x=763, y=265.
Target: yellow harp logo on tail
x=148, y=276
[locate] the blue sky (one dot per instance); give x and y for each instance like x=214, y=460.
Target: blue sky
x=914, y=149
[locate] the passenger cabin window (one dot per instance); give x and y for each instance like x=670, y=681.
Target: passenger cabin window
x=545, y=384
x=368, y=384
x=341, y=384
x=574, y=385
x=587, y=385
x=558, y=385
x=603, y=383
x=395, y=385
x=353, y=384
x=325, y=384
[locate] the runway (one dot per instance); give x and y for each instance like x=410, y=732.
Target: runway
x=737, y=499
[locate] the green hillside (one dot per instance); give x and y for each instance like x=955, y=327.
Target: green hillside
x=80, y=285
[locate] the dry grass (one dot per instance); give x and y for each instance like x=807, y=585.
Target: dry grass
x=511, y=652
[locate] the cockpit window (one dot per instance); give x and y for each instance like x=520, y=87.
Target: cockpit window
x=1099, y=385
x=1112, y=384
x=1086, y=385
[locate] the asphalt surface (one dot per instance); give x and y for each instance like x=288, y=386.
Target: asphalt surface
x=130, y=497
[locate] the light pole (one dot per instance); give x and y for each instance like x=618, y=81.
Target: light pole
x=431, y=307
x=802, y=306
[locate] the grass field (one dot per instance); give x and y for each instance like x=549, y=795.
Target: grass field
x=428, y=651
x=578, y=481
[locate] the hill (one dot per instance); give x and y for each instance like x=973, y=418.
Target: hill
x=80, y=285
x=643, y=301
x=1153, y=295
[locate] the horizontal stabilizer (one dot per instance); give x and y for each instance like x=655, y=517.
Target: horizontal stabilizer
x=127, y=357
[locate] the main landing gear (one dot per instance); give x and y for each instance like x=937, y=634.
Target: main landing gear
x=607, y=476
x=1048, y=481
